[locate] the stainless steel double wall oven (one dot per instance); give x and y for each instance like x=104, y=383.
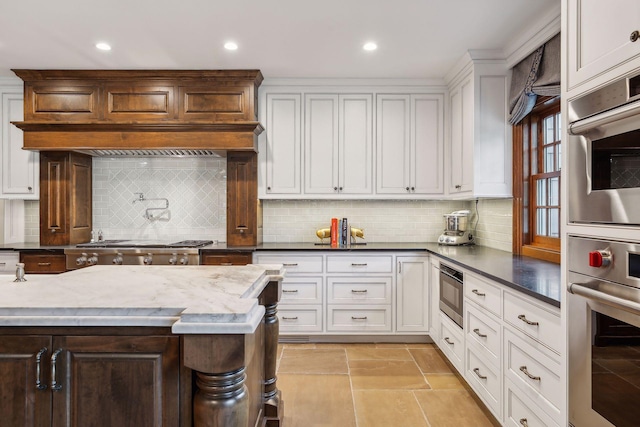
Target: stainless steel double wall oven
x=603, y=299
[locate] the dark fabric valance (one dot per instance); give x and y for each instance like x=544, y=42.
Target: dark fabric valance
x=537, y=74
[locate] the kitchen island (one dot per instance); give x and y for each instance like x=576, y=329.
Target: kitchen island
x=141, y=345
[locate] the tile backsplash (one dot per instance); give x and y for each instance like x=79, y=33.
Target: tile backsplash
x=385, y=220
x=194, y=189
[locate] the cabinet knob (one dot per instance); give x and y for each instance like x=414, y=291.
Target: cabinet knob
x=340, y=188
x=634, y=36
x=407, y=188
x=269, y=188
x=335, y=188
x=30, y=188
x=413, y=188
x=458, y=187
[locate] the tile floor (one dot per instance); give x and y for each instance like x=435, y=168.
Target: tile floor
x=373, y=385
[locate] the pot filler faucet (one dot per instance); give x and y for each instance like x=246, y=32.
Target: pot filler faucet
x=147, y=212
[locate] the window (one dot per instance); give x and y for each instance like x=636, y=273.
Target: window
x=537, y=175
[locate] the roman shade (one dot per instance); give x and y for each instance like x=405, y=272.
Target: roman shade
x=537, y=74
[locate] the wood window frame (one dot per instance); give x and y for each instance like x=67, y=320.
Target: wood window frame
x=524, y=243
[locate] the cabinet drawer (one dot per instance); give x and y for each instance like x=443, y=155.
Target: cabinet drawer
x=485, y=331
x=292, y=263
x=452, y=342
x=43, y=263
x=352, y=290
x=520, y=410
x=483, y=293
x=300, y=318
x=358, y=319
x=535, y=371
x=359, y=264
x=537, y=322
x=485, y=380
x=213, y=258
x=301, y=290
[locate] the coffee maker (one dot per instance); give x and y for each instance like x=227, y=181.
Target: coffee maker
x=456, y=230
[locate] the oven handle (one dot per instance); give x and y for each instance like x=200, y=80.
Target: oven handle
x=580, y=127
x=604, y=297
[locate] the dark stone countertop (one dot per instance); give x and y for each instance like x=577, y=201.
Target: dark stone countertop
x=538, y=279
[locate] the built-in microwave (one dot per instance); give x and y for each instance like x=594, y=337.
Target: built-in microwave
x=451, y=293
x=604, y=155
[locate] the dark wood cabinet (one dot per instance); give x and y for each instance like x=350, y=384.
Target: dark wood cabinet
x=244, y=216
x=41, y=262
x=100, y=381
x=65, y=198
x=225, y=258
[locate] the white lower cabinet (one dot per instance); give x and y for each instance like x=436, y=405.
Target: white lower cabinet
x=520, y=411
x=451, y=342
x=355, y=292
x=509, y=352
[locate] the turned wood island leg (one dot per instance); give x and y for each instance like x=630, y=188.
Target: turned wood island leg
x=221, y=398
x=273, y=406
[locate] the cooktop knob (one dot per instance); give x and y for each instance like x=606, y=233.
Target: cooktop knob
x=600, y=259
x=148, y=260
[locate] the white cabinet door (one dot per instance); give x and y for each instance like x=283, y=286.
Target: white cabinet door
x=356, y=144
x=434, y=310
x=426, y=159
x=393, y=143
x=20, y=168
x=599, y=38
x=283, y=159
x=338, y=144
x=412, y=294
x=321, y=144
x=461, y=154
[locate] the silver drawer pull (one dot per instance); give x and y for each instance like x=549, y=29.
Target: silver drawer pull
x=477, y=292
x=527, y=321
x=290, y=291
x=360, y=264
x=44, y=264
x=39, y=384
x=477, y=372
x=524, y=370
x=448, y=341
x=477, y=332
x=523, y=422
x=289, y=318
x=356, y=291
x=295, y=264
x=358, y=318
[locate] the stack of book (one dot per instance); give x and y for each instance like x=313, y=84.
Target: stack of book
x=340, y=232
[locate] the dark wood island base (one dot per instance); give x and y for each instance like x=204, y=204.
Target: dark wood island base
x=141, y=376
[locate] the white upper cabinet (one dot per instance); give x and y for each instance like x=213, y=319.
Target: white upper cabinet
x=410, y=144
x=281, y=157
x=479, y=157
x=20, y=168
x=338, y=144
x=600, y=37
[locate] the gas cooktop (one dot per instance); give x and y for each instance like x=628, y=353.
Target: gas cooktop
x=145, y=244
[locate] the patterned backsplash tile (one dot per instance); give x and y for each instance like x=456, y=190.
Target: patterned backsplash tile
x=193, y=188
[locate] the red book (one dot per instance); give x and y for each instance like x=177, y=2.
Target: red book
x=334, y=232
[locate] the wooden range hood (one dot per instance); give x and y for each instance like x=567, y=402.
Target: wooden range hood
x=103, y=112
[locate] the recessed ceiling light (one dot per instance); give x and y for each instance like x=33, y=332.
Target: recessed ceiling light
x=103, y=46
x=231, y=46
x=370, y=46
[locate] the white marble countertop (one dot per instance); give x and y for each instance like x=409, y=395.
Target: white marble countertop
x=189, y=299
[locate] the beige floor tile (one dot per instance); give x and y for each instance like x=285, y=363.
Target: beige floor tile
x=385, y=375
x=313, y=361
x=421, y=345
x=451, y=408
x=430, y=361
x=383, y=408
x=444, y=381
x=368, y=353
x=317, y=400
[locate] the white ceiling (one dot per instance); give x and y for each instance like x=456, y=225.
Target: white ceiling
x=283, y=38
